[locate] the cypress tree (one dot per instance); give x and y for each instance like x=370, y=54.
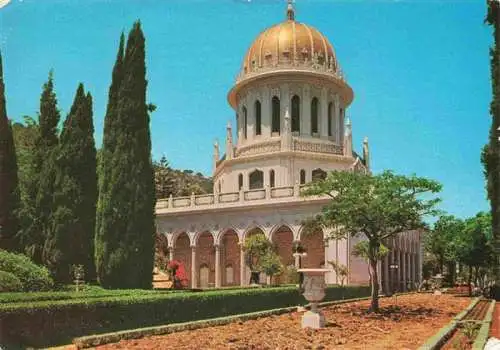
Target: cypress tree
x=491, y=152
x=9, y=187
x=36, y=208
x=125, y=230
x=72, y=218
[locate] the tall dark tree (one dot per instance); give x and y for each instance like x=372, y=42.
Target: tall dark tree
x=491, y=153
x=125, y=226
x=38, y=191
x=71, y=223
x=9, y=188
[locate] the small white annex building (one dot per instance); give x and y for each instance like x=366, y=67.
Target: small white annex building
x=290, y=100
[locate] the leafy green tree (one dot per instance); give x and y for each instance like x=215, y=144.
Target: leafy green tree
x=124, y=245
x=490, y=156
x=441, y=242
x=71, y=227
x=37, y=190
x=9, y=186
x=164, y=179
x=256, y=246
x=473, y=245
x=375, y=206
x=271, y=264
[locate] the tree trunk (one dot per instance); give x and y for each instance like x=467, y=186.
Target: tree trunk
x=374, y=284
x=470, y=281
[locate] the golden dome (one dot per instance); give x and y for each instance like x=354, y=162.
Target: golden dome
x=289, y=44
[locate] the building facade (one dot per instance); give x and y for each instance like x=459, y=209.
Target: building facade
x=290, y=99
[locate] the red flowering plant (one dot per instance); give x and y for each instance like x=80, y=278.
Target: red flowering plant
x=178, y=274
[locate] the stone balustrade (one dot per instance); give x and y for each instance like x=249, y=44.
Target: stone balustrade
x=267, y=194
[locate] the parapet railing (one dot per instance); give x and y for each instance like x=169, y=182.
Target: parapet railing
x=212, y=199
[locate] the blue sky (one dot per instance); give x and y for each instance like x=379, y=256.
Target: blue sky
x=419, y=70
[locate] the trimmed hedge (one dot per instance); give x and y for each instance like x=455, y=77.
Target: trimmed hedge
x=9, y=282
x=48, y=323
x=32, y=276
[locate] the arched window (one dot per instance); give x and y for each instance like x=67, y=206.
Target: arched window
x=275, y=127
x=302, y=177
x=314, y=116
x=271, y=178
x=318, y=174
x=330, y=119
x=219, y=187
x=256, y=179
x=258, y=119
x=295, y=113
x=240, y=182
x=245, y=122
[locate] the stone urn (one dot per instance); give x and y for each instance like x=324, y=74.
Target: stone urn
x=314, y=291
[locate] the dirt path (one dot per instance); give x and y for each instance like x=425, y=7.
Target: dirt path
x=495, y=327
x=402, y=325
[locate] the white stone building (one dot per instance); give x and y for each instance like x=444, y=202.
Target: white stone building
x=290, y=100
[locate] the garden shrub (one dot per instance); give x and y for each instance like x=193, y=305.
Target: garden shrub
x=32, y=276
x=55, y=322
x=9, y=282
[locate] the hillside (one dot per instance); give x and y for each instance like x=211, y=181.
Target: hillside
x=179, y=183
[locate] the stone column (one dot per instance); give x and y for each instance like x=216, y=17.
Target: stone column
x=305, y=114
x=386, y=275
x=194, y=276
x=323, y=114
x=171, y=253
x=339, y=127
x=217, y=267
x=243, y=281
x=266, y=112
x=400, y=270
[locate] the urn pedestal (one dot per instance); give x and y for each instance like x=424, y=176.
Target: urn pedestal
x=314, y=291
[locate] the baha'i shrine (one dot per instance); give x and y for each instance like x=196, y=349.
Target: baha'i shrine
x=290, y=99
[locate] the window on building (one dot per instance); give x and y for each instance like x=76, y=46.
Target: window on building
x=219, y=187
x=245, y=122
x=314, y=115
x=240, y=182
x=295, y=113
x=258, y=118
x=318, y=174
x=302, y=177
x=256, y=180
x=275, y=127
x=330, y=119
x=271, y=178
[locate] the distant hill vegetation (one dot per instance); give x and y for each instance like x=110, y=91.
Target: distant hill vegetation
x=179, y=183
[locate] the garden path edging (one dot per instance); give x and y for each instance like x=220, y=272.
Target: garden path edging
x=484, y=331
x=438, y=339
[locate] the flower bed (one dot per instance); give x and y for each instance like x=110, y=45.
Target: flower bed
x=403, y=323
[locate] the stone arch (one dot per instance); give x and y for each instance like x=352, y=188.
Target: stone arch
x=252, y=230
x=205, y=255
x=256, y=179
x=182, y=251
x=282, y=238
x=314, y=244
x=228, y=241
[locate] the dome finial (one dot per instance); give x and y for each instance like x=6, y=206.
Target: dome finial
x=290, y=11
